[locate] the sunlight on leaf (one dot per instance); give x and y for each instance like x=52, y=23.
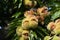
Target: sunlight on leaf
x=55, y=15
x=16, y=15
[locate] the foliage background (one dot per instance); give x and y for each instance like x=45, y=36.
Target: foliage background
x=11, y=15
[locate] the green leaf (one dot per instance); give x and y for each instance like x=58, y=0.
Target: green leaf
x=43, y=30
x=20, y=4
x=16, y=15
x=15, y=1
x=55, y=15
x=15, y=37
x=32, y=35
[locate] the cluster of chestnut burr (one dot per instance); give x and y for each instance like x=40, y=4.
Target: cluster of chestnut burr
x=31, y=21
x=54, y=27
x=32, y=17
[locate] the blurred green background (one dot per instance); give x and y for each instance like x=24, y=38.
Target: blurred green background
x=11, y=14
